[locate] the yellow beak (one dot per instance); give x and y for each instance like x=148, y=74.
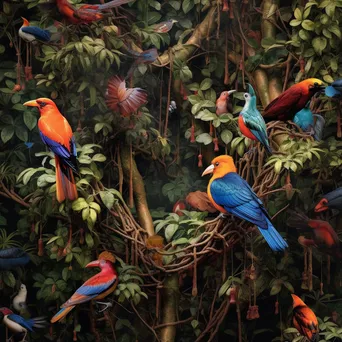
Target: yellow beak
x=32, y=103
x=209, y=169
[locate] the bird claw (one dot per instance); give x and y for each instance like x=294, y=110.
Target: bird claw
x=222, y=216
x=106, y=304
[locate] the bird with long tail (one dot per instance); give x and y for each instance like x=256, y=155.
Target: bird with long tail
x=304, y=319
x=292, y=100
x=56, y=133
x=86, y=14
x=323, y=234
x=18, y=324
x=331, y=200
x=229, y=193
x=97, y=287
x=335, y=89
x=222, y=103
x=13, y=257
x=124, y=100
x=251, y=123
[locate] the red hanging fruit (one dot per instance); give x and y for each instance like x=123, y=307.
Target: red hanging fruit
x=81, y=236
x=276, y=311
x=40, y=247
x=200, y=162
x=192, y=137
x=53, y=288
x=216, y=147
x=232, y=295
x=75, y=336
x=211, y=129
x=225, y=6
x=302, y=64
x=17, y=87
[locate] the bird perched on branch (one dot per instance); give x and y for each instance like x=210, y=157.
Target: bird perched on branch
x=164, y=26
x=229, y=193
x=56, y=133
x=335, y=89
x=323, y=235
x=32, y=33
x=97, y=287
x=124, y=100
x=144, y=57
x=13, y=257
x=251, y=123
x=86, y=14
x=20, y=325
x=331, y=200
x=304, y=319
x=292, y=100
x=19, y=301
x=223, y=101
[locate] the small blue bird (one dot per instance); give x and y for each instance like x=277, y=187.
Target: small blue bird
x=335, y=89
x=33, y=33
x=13, y=257
x=18, y=324
x=144, y=57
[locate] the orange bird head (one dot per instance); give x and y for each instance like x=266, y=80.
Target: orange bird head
x=220, y=166
x=225, y=94
x=43, y=104
x=26, y=22
x=313, y=84
x=297, y=301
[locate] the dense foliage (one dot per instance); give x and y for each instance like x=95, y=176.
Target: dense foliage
x=155, y=158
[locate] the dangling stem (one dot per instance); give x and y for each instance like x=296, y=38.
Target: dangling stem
x=168, y=94
x=226, y=63
x=130, y=201
x=310, y=269
x=328, y=269
x=194, y=279
x=120, y=172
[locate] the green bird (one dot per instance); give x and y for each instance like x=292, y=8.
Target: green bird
x=251, y=123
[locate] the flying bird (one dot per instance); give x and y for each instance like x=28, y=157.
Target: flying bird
x=323, y=235
x=335, y=89
x=164, y=26
x=19, y=301
x=251, y=123
x=13, y=257
x=229, y=193
x=124, y=100
x=292, y=100
x=56, y=133
x=86, y=14
x=304, y=320
x=223, y=101
x=331, y=200
x=97, y=287
x=20, y=325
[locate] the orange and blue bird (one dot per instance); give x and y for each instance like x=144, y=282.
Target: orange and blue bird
x=56, y=133
x=304, y=319
x=292, y=100
x=97, y=287
x=251, y=123
x=229, y=193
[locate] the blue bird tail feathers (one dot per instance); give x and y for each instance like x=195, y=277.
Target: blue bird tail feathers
x=38, y=322
x=273, y=238
x=332, y=92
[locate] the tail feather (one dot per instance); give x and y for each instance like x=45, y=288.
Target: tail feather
x=297, y=220
x=273, y=238
x=61, y=314
x=65, y=182
x=114, y=3
x=39, y=322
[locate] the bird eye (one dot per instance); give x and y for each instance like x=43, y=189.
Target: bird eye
x=217, y=164
x=246, y=95
x=42, y=104
x=315, y=84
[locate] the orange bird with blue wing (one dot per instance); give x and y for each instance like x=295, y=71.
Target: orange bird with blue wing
x=56, y=133
x=97, y=287
x=229, y=193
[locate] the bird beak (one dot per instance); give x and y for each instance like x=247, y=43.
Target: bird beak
x=95, y=263
x=231, y=91
x=32, y=103
x=209, y=169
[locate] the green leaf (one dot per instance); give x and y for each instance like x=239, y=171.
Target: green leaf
x=99, y=157
x=170, y=230
x=226, y=136
x=187, y=5
x=7, y=133
x=89, y=240
x=275, y=289
x=107, y=198
x=328, y=79
x=21, y=133
x=206, y=84
x=9, y=279
x=308, y=25
x=204, y=138
x=319, y=44
x=79, y=204
x=30, y=120
x=298, y=14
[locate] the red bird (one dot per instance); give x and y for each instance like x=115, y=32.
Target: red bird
x=56, y=133
x=222, y=102
x=86, y=14
x=304, y=320
x=124, y=100
x=292, y=100
x=324, y=236
x=331, y=200
x=97, y=287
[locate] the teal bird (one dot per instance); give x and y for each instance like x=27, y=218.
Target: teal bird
x=251, y=123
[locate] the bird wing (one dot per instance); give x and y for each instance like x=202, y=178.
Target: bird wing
x=10, y=253
x=40, y=34
x=237, y=197
x=307, y=320
x=255, y=122
x=21, y=321
x=91, y=289
x=131, y=99
x=283, y=103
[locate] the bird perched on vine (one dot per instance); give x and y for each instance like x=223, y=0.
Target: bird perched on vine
x=124, y=100
x=56, y=133
x=323, y=235
x=304, y=319
x=144, y=57
x=331, y=200
x=251, y=123
x=86, y=14
x=223, y=101
x=164, y=26
x=18, y=324
x=32, y=33
x=292, y=100
x=13, y=257
x=335, y=89
x=19, y=301
x=229, y=193
x=97, y=287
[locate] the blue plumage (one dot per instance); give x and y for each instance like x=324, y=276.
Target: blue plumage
x=236, y=196
x=304, y=119
x=11, y=258
x=335, y=89
x=26, y=323
x=37, y=32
